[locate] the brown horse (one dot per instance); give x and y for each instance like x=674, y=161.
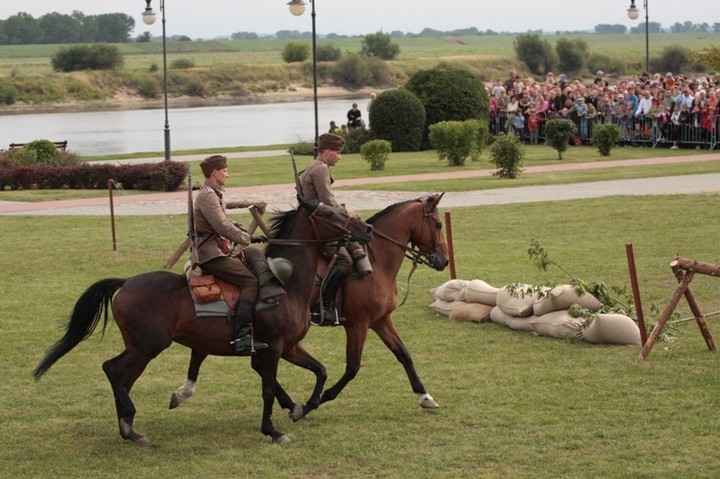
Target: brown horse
x=369, y=301
x=154, y=309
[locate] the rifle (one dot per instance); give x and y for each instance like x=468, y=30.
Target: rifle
x=298, y=186
x=190, y=240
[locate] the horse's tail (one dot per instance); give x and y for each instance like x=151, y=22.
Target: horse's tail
x=83, y=321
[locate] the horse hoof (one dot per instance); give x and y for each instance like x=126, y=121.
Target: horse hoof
x=174, y=401
x=427, y=402
x=282, y=440
x=297, y=413
x=142, y=441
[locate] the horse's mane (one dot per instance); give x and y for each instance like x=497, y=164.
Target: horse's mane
x=387, y=210
x=280, y=224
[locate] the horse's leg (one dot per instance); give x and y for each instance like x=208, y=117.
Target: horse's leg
x=356, y=334
x=188, y=388
x=298, y=356
x=385, y=328
x=122, y=371
x=266, y=363
x=283, y=398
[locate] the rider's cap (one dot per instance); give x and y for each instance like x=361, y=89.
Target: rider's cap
x=331, y=141
x=214, y=162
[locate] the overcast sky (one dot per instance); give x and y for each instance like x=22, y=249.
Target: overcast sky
x=213, y=18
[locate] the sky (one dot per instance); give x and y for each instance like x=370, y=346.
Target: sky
x=217, y=18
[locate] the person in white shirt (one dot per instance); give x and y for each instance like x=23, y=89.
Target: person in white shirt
x=644, y=105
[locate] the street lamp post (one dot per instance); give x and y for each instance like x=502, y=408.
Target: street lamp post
x=149, y=18
x=297, y=8
x=633, y=14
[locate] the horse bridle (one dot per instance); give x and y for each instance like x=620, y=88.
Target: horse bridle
x=413, y=252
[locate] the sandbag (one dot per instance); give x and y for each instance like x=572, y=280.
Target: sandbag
x=520, y=306
x=558, y=324
x=478, y=291
x=612, y=329
x=517, y=323
x=441, y=307
x=474, y=312
x=448, y=291
x=562, y=297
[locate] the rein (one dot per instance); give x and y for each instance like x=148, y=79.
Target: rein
x=344, y=237
x=412, y=253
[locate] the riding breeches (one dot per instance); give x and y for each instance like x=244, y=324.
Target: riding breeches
x=234, y=271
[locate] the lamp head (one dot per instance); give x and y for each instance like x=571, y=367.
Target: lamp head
x=148, y=15
x=633, y=12
x=297, y=7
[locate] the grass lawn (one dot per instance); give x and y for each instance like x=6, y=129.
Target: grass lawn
x=512, y=404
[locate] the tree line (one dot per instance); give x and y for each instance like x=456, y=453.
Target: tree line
x=655, y=27
x=24, y=29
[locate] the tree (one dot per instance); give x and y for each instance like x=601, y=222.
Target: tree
x=114, y=27
x=537, y=54
x=144, y=37
x=573, y=53
x=59, y=28
x=22, y=29
x=709, y=57
x=448, y=93
x=379, y=45
x=606, y=28
x=244, y=36
x=558, y=132
x=88, y=27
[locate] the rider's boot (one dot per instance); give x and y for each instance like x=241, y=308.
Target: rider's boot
x=245, y=345
x=330, y=316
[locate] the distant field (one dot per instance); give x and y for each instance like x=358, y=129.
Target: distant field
x=629, y=47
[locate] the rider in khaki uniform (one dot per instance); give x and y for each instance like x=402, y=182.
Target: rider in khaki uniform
x=316, y=183
x=211, y=222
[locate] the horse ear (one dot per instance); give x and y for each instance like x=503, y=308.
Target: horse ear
x=435, y=199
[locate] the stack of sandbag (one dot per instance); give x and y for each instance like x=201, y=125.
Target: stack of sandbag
x=521, y=308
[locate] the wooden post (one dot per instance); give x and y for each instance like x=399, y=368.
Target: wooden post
x=112, y=213
x=448, y=229
x=695, y=308
x=636, y=293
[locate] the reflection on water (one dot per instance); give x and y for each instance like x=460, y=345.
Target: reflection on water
x=116, y=132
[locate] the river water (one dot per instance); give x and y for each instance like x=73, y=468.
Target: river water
x=117, y=132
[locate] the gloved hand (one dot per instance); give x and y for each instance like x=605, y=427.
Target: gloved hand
x=258, y=239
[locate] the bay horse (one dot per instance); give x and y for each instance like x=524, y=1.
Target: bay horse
x=369, y=301
x=154, y=309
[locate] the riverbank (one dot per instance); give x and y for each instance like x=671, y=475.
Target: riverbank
x=123, y=101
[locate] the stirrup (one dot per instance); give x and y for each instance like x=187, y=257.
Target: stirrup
x=329, y=317
x=247, y=346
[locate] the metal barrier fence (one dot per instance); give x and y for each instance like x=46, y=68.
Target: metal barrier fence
x=634, y=131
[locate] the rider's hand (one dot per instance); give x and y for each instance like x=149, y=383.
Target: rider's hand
x=258, y=239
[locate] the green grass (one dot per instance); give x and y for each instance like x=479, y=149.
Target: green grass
x=512, y=404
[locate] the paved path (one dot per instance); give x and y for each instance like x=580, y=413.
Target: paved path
x=282, y=196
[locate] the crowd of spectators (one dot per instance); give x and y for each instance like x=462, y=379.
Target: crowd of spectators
x=671, y=110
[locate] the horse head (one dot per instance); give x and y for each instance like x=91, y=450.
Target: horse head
x=427, y=237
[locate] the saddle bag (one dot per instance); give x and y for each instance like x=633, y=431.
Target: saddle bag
x=204, y=289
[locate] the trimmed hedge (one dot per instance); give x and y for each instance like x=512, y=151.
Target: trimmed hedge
x=165, y=176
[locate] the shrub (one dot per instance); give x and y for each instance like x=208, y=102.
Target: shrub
x=573, y=53
x=355, y=138
x=8, y=93
x=87, y=57
x=481, y=135
x=195, y=86
x=537, y=54
x=399, y=117
x=376, y=153
x=605, y=137
x=327, y=53
x=449, y=93
x=295, y=52
x=36, y=152
x=674, y=58
x=354, y=71
x=148, y=86
x=379, y=45
x=453, y=140
x=507, y=153
x=558, y=132
x=303, y=148
x=182, y=64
